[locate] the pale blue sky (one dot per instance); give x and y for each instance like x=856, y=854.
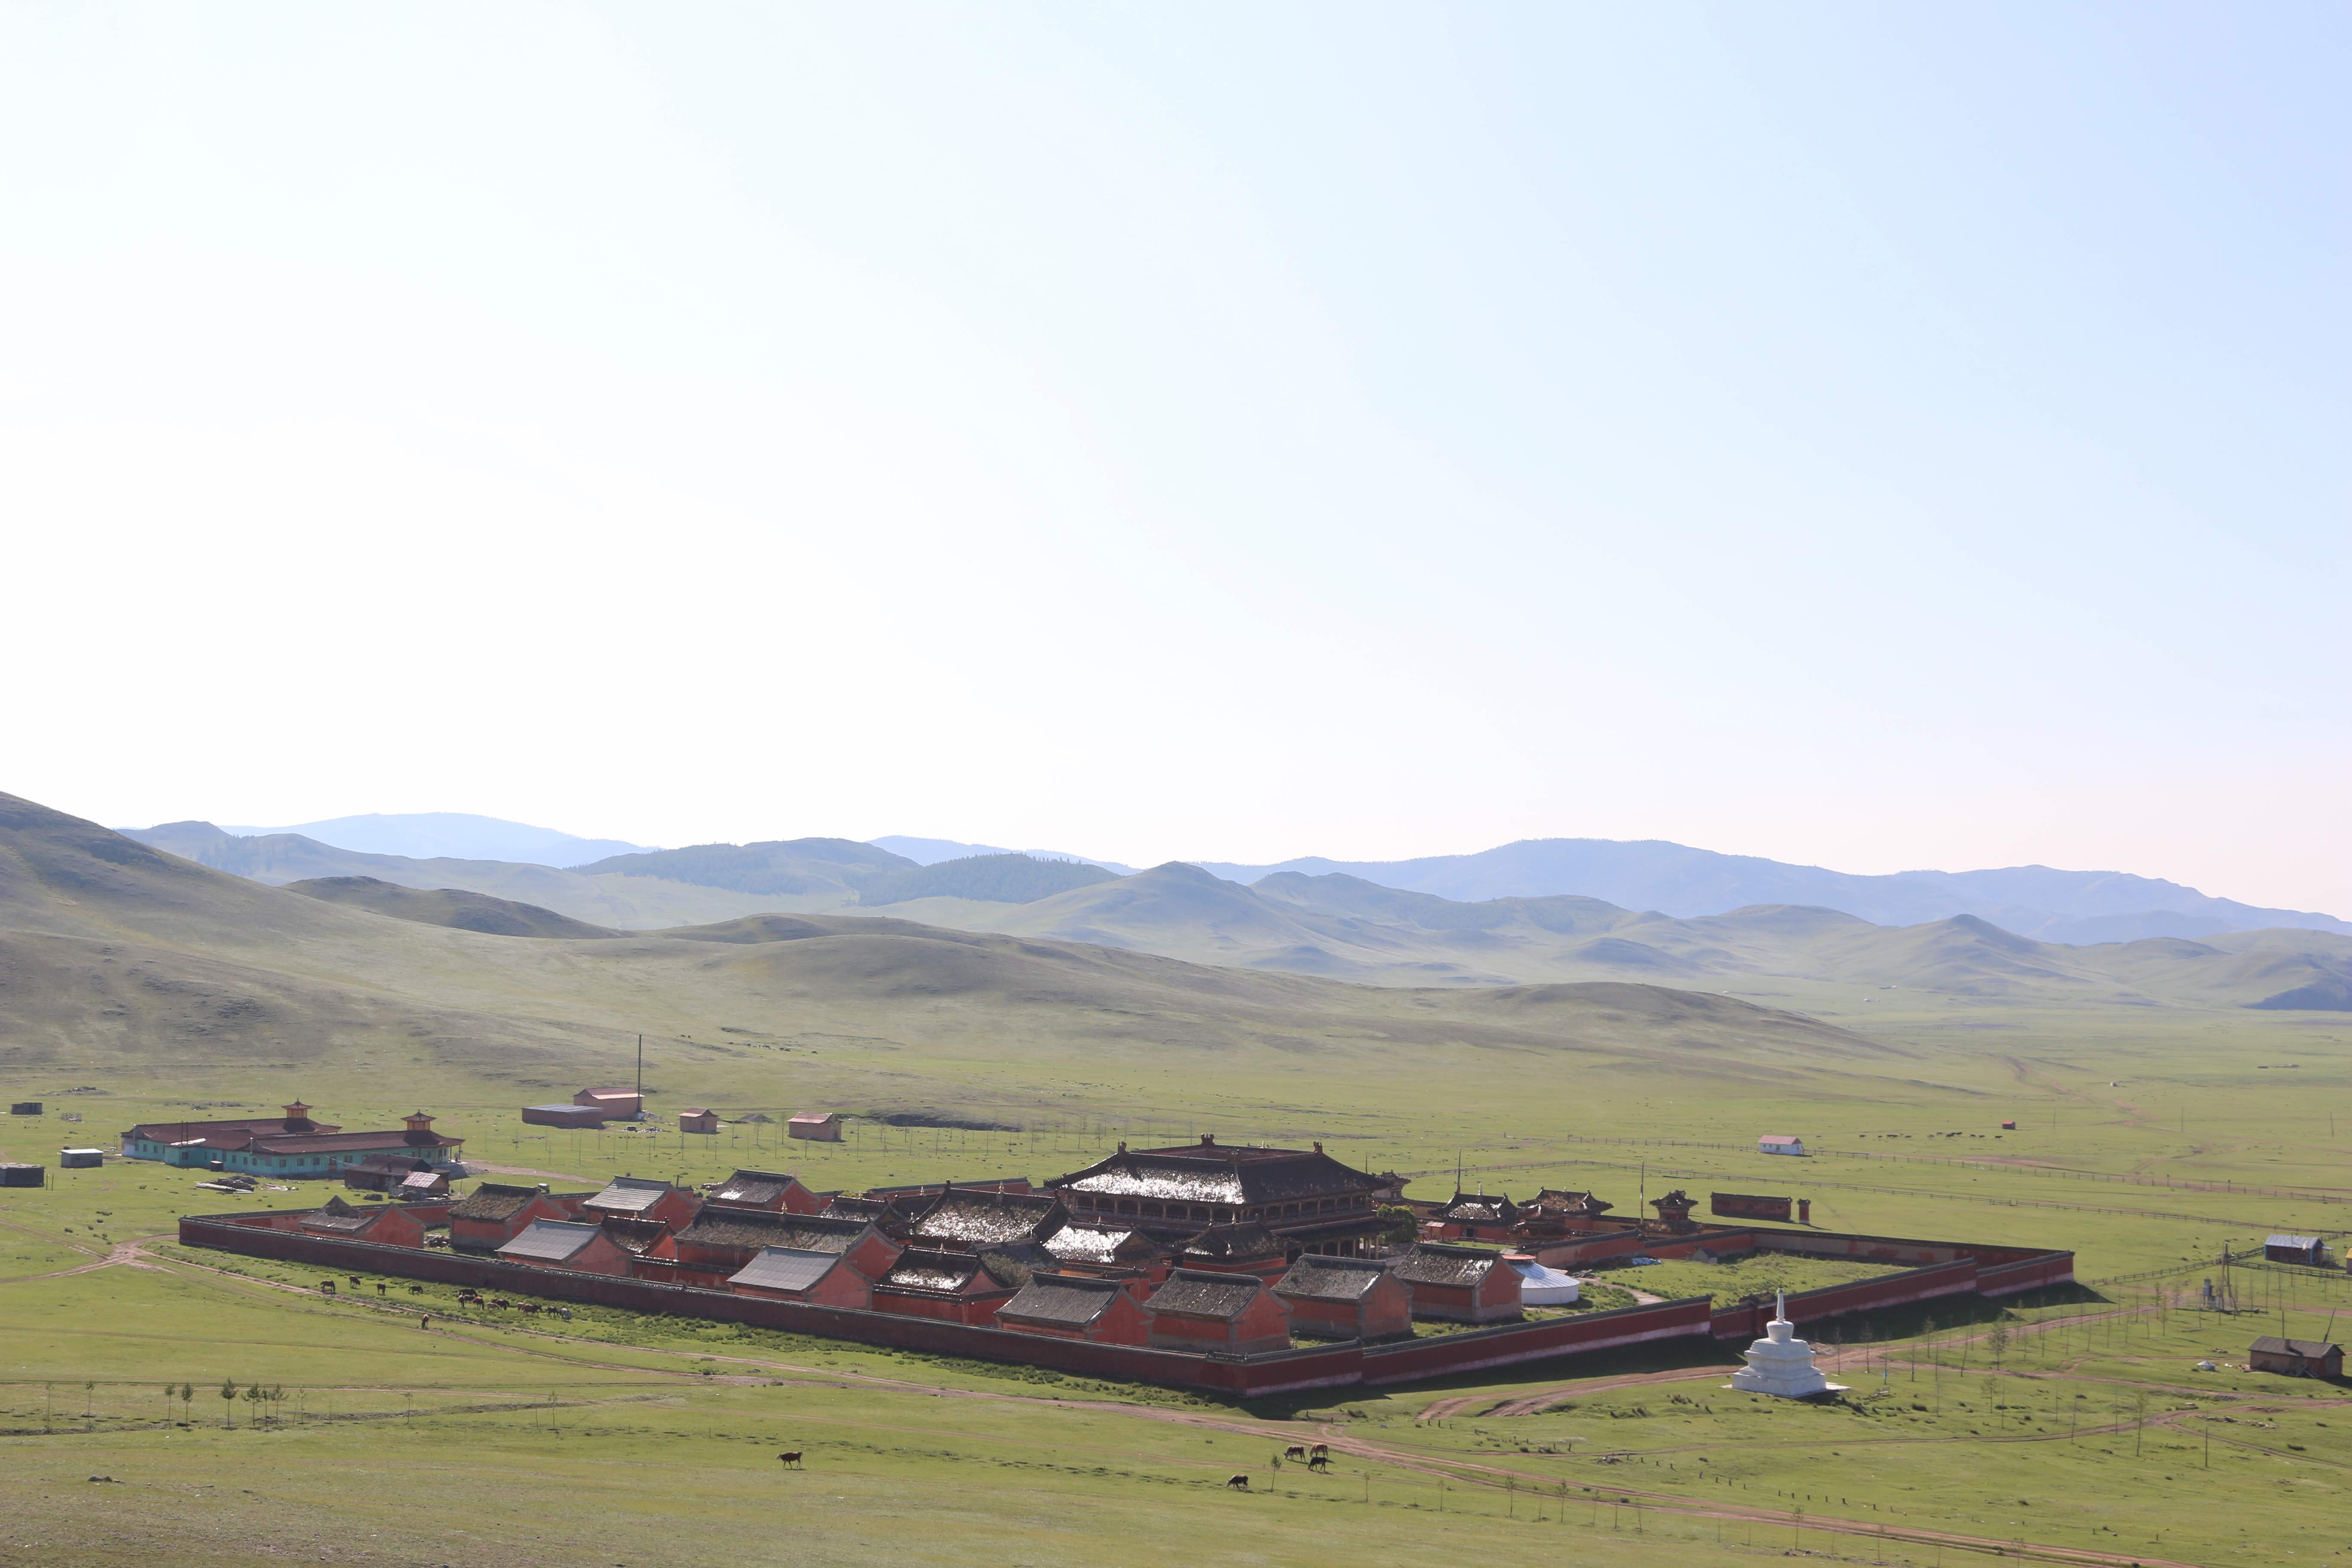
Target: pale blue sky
x=1878, y=437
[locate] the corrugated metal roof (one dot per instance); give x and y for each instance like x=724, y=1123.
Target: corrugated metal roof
x=1316, y=1278
x=630, y=1194
x=550, y=1240
x=2300, y=1243
x=786, y=1269
x=1197, y=1293
x=1070, y=1299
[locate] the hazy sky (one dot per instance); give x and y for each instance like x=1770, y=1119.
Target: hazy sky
x=1874, y=436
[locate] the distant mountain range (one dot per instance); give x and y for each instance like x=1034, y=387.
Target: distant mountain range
x=449, y=835
x=1341, y=926
x=1672, y=878
x=932, y=851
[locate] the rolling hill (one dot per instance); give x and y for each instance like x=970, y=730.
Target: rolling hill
x=454, y=907
x=449, y=836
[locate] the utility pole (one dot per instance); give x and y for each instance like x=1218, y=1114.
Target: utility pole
x=641, y=1075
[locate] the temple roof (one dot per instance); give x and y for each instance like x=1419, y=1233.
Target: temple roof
x=1317, y=1279
x=1236, y=1175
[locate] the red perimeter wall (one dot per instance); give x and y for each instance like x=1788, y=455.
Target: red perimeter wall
x=1278, y=1371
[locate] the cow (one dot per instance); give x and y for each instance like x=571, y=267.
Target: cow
x=356, y=1280
x=1319, y=1462
x=327, y=1286
x=1295, y=1451
x=1320, y=1451
x=381, y=1288
x=1237, y=1484
x=531, y=1306
x=791, y=1460
x=500, y=1303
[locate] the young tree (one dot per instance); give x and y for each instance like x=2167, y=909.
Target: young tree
x=187, y=1397
x=229, y=1404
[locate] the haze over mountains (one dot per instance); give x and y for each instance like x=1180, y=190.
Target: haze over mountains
x=1340, y=926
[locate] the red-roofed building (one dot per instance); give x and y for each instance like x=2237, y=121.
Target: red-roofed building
x=288, y=1145
x=494, y=1213
x=1228, y=1314
x=1459, y=1284
x=1079, y=1306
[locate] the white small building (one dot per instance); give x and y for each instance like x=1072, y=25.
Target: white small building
x=1541, y=1286
x=1780, y=1144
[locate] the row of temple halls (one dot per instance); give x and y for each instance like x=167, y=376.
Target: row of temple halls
x=1203, y=1247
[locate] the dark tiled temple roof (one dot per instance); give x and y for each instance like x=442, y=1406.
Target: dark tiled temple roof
x=1331, y=1278
x=1072, y=1300
x=842, y=1206
x=1199, y=1294
x=1435, y=1263
x=786, y=1269
x=633, y=1236
x=719, y=1226
x=1245, y=1242
x=1558, y=1201
x=1481, y=1208
x=493, y=1201
x=754, y=1188
x=1235, y=1175
x=970, y=1219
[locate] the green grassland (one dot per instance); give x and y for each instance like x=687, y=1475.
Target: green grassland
x=2149, y=1137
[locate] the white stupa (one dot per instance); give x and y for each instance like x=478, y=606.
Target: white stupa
x=1781, y=1364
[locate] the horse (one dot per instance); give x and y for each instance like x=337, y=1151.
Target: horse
x=1319, y=1462
x=381, y=1288
x=500, y=1303
x=1320, y=1451
x=326, y=1286
x=791, y=1460
x=355, y=1279
x=1238, y=1484
x=1295, y=1451
x=531, y=1306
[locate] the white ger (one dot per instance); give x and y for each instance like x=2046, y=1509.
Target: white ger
x=1781, y=1364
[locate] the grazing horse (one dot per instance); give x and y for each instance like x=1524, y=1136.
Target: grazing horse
x=327, y=1286
x=355, y=1279
x=1319, y=1462
x=380, y=1286
x=1295, y=1452
x=1238, y=1484
x=1320, y=1451
x=500, y=1303
x=791, y=1460
x=531, y=1306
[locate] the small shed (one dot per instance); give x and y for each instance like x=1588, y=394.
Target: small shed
x=1780, y=1144
x=13, y=1174
x=81, y=1159
x=2297, y=1358
x=2296, y=1250
x=587, y=1116
x=696, y=1119
x=823, y=1127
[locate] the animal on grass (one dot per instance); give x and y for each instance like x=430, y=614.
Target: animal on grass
x=328, y=1286
x=1237, y=1484
x=1319, y=1462
x=791, y=1460
x=380, y=1286
x=1320, y=1451
x=531, y=1306
x=500, y=1303
x=1295, y=1451
x=356, y=1280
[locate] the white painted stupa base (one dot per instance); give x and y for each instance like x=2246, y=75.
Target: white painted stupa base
x=1780, y=1364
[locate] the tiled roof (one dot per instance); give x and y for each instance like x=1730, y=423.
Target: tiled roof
x=1331, y=1278
x=1558, y=1201
x=335, y=1143
x=1235, y=1243
x=759, y=1187
x=1433, y=1263
x=1487, y=1209
x=550, y=1240
x=636, y=1236
x=786, y=1269
x=1209, y=1172
x=816, y=1231
x=925, y=1269
x=979, y=1219
x=1088, y=1244
x=718, y=1226
x=2311, y=1349
x=630, y=1194
x=1199, y=1294
x=842, y=1206
x=1071, y=1299
x=341, y=1218
x=493, y=1201
x=246, y=1126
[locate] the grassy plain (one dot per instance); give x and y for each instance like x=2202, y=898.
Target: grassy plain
x=2149, y=1137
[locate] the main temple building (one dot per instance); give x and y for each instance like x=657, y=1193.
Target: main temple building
x=1307, y=1199
x=288, y=1145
